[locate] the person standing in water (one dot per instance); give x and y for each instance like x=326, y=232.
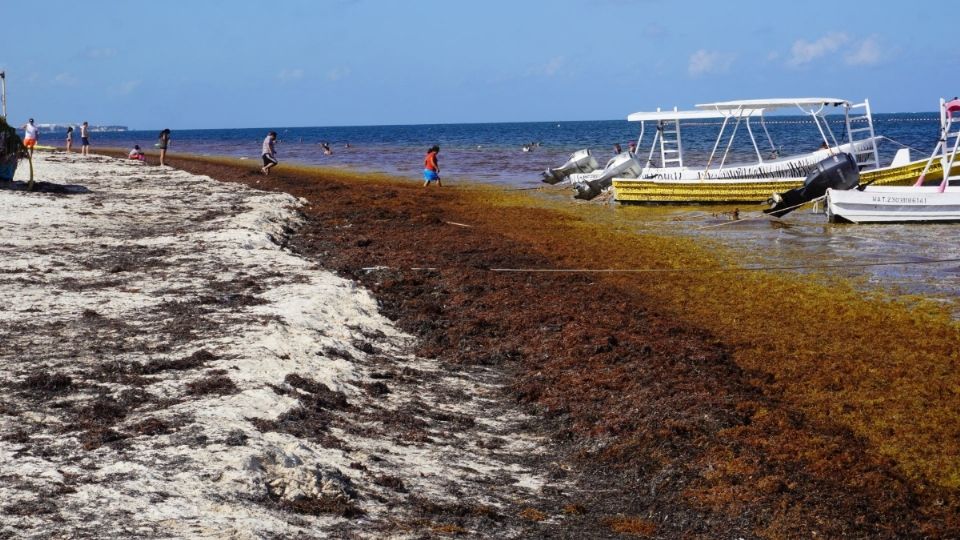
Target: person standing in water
x=269, y=153
x=431, y=167
x=84, y=139
x=163, y=143
x=69, y=139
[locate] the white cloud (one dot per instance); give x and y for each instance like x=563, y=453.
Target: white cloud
x=103, y=52
x=804, y=52
x=338, y=73
x=773, y=56
x=550, y=69
x=65, y=79
x=867, y=54
x=289, y=75
x=654, y=31
x=125, y=88
x=704, y=62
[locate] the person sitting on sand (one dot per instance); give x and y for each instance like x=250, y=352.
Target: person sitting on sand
x=269, y=153
x=31, y=135
x=163, y=142
x=136, y=153
x=431, y=167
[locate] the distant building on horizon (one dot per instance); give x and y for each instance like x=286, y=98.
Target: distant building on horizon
x=59, y=128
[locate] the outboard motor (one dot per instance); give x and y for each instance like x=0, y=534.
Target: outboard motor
x=622, y=166
x=836, y=172
x=581, y=161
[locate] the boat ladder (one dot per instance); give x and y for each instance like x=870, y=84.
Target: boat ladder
x=671, y=151
x=947, y=144
x=860, y=128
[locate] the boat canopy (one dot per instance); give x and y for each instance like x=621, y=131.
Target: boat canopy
x=683, y=115
x=667, y=140
x=772, y=104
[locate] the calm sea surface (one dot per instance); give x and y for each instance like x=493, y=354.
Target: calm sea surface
x=492, y=153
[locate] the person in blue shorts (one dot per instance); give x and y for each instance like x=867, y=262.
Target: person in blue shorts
x=431, y=167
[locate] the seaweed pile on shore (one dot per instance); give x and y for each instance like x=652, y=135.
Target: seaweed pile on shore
x=683, y=409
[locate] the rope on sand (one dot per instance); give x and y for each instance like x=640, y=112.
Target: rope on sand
x=764, y=216
x=678, y=270
x=703, y=269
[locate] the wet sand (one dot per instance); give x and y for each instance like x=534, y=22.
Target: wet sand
x=664, y=405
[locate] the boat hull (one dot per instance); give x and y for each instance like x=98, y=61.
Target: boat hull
x=894, y=205
x=750, y=190
x=7, y=171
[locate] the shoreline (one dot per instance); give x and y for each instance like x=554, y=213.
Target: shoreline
x=708, y=418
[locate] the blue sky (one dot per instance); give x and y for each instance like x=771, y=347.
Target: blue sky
x=217, y=63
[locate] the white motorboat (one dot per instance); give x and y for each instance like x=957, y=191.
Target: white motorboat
x=917, y=203
x=664, y=175
x=893, y=204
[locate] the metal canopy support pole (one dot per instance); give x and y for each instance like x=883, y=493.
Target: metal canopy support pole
x=3, y=93
x=820, y=129
x=941, y=142
x=716, y=144
x=826, y=124
x=653, y=146
x=754, y=141
x=763, y=124
x=637, y=149
x=679, y=140
x=733, y=136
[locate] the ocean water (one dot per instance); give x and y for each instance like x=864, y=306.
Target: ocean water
x=493, y=152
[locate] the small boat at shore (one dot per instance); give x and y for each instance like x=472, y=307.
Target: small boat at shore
x=719, y=181
x=917, y=203
x=892, y=204
x=853, y=198
x=665, y=177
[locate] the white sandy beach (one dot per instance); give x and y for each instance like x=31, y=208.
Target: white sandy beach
x=150, y=323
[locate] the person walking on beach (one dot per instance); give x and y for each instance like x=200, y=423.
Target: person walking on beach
x=30, y=135
x=269, y=153
x=431, y=167
x=84, y=139
x=69, y=139
x=162, y=143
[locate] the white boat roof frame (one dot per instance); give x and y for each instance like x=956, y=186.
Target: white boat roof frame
x=804, y=104
x=740, y=110
x=676, y=114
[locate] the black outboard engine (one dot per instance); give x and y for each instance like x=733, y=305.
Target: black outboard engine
x=836, y=172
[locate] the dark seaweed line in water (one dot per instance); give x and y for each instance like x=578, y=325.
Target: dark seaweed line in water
x=683, y=270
